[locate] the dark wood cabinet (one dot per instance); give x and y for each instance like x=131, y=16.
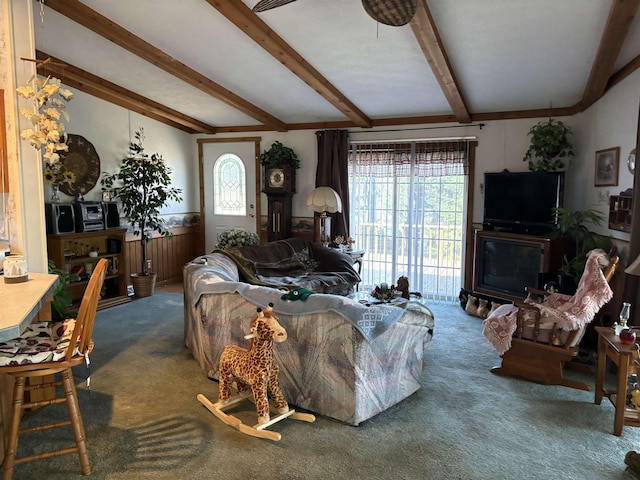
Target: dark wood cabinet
x=506, y=263
x=70, y=252
x=620, y=208
x=279, y=217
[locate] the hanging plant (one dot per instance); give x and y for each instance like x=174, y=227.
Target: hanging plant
x=278, y=154
x=549, y=146
x=49, y=108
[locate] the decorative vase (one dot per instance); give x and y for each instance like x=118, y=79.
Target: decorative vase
x=55, y=193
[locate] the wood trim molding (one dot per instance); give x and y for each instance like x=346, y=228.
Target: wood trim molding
x=621, y=15
x=4, y=163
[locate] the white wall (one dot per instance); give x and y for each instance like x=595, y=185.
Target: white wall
x=110, y=128
x=610, y=122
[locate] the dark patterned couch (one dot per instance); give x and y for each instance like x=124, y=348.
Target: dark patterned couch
x=295, y=262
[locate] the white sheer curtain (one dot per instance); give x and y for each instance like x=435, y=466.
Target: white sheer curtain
x=407, y=213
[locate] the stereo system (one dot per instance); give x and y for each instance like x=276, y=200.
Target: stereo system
x=60, y=218
x=81, y=217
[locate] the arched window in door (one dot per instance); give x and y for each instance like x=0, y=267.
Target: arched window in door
x=229, y=186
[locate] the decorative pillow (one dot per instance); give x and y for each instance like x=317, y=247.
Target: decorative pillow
x=41, y=342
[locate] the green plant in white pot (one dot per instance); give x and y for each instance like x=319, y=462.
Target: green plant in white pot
x=142, y=185
x=549, y=147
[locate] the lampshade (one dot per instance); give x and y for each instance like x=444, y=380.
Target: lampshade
x=324, y=199
x=634, y=268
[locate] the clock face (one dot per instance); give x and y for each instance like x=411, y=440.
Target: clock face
x=631, y=161
x=276, y=177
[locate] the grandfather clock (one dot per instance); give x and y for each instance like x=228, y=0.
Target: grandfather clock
x=279, y=186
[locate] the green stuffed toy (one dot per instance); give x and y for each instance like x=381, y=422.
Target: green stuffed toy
x=297, y=294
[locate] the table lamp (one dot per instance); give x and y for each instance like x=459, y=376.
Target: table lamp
x=323, y=200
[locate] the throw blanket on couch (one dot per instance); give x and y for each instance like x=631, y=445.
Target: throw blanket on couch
x=294, y=263
x=216, y=274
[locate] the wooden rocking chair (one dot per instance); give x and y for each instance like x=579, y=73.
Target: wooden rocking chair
x=543, y=343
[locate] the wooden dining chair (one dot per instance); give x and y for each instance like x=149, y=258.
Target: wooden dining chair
x=43, y=351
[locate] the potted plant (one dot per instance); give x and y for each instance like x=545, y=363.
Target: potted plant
x=279, y=155
x=573, y=224
x=61, y=297
x=549, y=146
x=142, y=185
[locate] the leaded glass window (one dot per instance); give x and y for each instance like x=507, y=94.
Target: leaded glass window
x=229, y=186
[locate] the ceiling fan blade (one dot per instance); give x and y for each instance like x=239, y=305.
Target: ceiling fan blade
x=391, y=12
x=264, y=5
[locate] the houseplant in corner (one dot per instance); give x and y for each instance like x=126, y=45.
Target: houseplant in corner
x=143, y=186
x=549, y=147
x=573, y=224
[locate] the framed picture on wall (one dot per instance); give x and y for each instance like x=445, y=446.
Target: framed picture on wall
x=607, y=167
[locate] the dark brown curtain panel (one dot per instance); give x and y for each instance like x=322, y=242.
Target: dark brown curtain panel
x=333, y=152
x=632, y=282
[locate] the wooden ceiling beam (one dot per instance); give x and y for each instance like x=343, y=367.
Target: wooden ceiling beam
x=426, y=33
x=92, y=20
x=623, y=73
x=252, y=26
x=98, y=87
x=621, y=15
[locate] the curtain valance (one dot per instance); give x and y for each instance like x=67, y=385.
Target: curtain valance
x=404, y=159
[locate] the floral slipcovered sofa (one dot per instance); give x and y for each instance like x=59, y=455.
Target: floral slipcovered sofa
x=342, y=359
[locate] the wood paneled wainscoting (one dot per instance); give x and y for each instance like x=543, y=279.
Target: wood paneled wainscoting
x=167, y=254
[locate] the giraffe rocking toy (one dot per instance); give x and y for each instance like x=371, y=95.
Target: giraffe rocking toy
x=255, y=371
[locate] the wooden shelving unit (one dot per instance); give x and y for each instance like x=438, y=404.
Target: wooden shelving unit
x=70, y=251
x=620, y=207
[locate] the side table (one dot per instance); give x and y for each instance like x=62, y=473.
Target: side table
x=622, y=356
x=356, y=256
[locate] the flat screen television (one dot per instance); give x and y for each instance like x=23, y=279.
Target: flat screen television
x=522, y=202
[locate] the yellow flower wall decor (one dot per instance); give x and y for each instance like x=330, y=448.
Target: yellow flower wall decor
x=49, y=108
x=56, y=173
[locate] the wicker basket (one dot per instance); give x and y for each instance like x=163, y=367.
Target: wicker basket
x=143, y=285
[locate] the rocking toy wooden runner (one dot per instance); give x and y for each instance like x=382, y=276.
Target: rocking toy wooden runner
x=255, y=371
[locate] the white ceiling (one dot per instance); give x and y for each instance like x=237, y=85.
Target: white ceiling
x=507, y=56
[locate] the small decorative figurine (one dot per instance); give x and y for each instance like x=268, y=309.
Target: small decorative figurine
x=471, y=308
x=483, y=308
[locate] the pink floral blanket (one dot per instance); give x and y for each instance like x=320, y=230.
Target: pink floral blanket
x=568, y=312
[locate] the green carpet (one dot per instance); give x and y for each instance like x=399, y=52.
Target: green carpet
x=143, y=420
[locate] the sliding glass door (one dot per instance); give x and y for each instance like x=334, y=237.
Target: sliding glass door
x=408, y=213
